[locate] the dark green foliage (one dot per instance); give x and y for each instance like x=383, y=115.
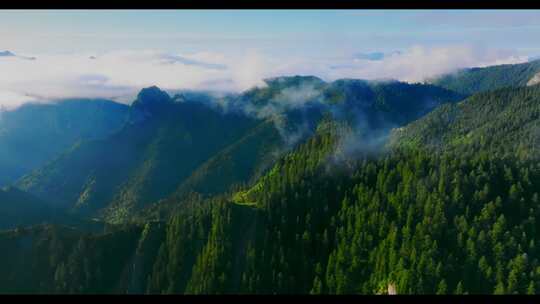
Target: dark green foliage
x=242, y=161
x=33, y=134
x=178, y=145
x=371, y=105
x=140, y=164
x=455, y=222
x=228, y=235
x=402, y=103
x=449, y=207
x=427, y=218
x=51, y=259
x=504, y=122
x=22, y=209
x=475, y=80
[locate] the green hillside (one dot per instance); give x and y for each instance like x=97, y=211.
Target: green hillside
x=143, y=162
x=457, y=219
x=18, y=209
x=34, y=134
x=502, y=122
x=475, y=80
x=180, y=145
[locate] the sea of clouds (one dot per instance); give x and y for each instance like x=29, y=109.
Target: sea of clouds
x=119, y=75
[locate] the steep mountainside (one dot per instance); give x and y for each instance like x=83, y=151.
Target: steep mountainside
x=162, y=143
x=180, y=145
x=474, y=80
x=372, y=104
x=33, y=134
x=457, y=221
x=461, y=220
x=503, y=121
x=20, y=209
x=48, y=259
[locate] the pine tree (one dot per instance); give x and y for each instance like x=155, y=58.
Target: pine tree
x=459, y=289
x=441, y=288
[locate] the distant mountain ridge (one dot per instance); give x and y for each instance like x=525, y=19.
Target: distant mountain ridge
x=507, y=119
x=178, y=144
x=163, y=142
x=18, y=209
x=33, y=134
x=475, y=80
x=258, y=193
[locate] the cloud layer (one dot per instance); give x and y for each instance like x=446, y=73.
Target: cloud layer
x=119, y=75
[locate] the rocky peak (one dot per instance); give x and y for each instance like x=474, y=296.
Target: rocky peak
x=152, y=95
x=149, y=102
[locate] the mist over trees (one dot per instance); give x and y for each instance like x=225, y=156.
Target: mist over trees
x=297, y=187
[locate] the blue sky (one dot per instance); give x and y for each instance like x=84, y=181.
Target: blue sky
x=113, y=53
x=333, y=30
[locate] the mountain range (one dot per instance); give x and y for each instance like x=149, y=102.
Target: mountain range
x=176, y=145
x=34, y=134
x=299, y=186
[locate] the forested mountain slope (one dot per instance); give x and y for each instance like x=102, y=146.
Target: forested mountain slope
x=33, y=134
x=20, y=209
x=173, y=148
x=504, y=121
x=474, y=80
x=456, y=215
x=455, y=221
x=50, y=259
x=448, y=205
x=162, y=143
x=179, y=145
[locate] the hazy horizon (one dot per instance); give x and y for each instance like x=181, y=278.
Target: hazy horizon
x=113, y=54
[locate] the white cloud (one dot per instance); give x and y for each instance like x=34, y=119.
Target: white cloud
x=251, y=70
x=10, y=100
x=121, y=74
x=419, y=63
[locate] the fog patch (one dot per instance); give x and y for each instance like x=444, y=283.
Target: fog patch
x=120, y=74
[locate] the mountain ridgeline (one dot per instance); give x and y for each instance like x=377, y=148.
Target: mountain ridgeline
x=173, y=146
x=297, y=187
x=33, y=134
x=18, y=208
x=475, y=80
x=162, y=142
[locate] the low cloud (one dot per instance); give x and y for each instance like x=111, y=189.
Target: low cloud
x=288, y=99
x=419, y=63
x=175, y=59
x=119, y=75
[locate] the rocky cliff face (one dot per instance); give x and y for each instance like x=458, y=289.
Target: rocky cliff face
x=535, y=80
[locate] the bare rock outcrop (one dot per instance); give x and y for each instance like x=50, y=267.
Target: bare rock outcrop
x=534, y=81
